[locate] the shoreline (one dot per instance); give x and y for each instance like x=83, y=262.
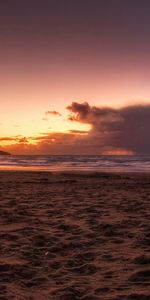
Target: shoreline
x=72, y=171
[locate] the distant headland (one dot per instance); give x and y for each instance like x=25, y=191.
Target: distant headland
x=4, y=153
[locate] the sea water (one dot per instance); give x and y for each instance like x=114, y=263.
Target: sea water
x=92, y=163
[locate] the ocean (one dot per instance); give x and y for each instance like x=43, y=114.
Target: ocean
x=92, y=163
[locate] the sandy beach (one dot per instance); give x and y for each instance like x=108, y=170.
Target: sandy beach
x=70, y=236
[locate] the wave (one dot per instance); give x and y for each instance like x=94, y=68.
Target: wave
x=83, y=162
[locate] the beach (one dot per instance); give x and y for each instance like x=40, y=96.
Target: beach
x=69, y=236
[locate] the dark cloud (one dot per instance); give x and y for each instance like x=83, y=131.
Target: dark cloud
x=83, y=112
x=125, y=128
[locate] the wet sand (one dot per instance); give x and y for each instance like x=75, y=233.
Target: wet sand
x=74, y=236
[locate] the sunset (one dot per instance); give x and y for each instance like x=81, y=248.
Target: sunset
x=74, y=149
x=62, y=52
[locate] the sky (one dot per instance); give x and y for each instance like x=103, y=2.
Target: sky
x=74, y=76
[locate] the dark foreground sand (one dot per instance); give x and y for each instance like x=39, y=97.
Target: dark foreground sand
x=71, y=237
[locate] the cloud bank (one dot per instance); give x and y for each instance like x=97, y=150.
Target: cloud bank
x=126, y=128
x=113, y=131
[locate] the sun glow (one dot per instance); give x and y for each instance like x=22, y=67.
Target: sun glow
x=118, y=152
x=31, y=133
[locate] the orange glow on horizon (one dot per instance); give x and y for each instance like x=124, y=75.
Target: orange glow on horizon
x=118, y=152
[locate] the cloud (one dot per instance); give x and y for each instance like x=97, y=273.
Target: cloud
x=113, y=131
x=126, y=128
x=84, y=113
x=7, y=139
x=16, y=139
x=23, y=140
x=16, y=125
x=78, y=131
x=53, y=113
x=52, y=143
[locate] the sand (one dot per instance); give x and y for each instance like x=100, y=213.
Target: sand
x=74, y=236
